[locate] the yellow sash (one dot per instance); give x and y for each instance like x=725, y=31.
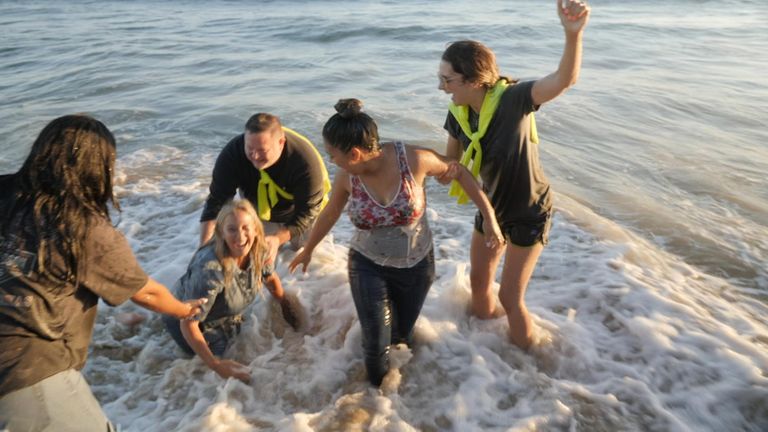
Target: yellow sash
x=472, y=158
x=268, y=191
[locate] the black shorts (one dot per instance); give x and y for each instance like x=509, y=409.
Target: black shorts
x=525, y=233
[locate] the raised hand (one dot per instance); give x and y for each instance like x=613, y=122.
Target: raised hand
x=573, y=14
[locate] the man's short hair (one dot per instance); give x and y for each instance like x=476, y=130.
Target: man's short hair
x=263, y=122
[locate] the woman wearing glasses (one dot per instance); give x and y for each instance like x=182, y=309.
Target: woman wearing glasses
x=492, y=130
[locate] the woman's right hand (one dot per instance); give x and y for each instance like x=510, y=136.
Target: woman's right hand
x=302, y=258
x=232, y=369
x=492, y=234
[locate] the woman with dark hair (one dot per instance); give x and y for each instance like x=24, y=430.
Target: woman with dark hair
x=228, y=270
x=59, y=254
x=492, y=130
x=391, y=260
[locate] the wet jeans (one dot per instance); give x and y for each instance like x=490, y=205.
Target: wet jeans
x=388, y=301
x=217, y=335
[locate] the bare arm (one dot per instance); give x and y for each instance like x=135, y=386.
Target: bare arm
x=326, y=220
x=453, y=149
x=573, y=16
x=432, y=164
x=190, y=329
x=156, y=297
x=275, y=287
x=206, y=231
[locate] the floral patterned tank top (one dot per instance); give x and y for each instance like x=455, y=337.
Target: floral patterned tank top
x=396, y=234
x=407, y=206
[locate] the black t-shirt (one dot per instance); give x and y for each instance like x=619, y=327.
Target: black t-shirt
x=46, y=327
x=511, y=171
x=299, y=171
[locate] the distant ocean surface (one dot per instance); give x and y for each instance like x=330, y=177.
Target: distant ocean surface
x=650, y=302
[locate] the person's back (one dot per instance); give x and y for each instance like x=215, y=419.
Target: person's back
x=59, y=254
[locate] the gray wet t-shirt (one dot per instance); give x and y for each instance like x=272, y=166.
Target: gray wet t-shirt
x=205, y=278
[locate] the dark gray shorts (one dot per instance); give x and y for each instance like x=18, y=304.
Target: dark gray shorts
x=523, y=234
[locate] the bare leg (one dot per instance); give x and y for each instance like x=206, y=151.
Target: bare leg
x=484, y=262
x=518, y=268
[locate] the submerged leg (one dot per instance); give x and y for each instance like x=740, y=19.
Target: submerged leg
x=369, y=291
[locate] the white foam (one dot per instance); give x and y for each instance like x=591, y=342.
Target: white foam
x=626, y=335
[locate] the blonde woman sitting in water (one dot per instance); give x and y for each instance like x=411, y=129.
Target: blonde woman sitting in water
x=228, y=270
x=391, y=261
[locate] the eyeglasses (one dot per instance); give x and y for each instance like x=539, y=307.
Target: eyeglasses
x=445, y=80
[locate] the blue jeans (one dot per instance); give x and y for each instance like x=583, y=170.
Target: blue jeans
x=388, y=301
x=217, y=336
x=62, y=403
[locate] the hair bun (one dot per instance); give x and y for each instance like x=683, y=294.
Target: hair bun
x=348, y=108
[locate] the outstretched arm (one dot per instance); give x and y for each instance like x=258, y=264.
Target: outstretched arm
x=190, y=329
x=156, y=297
x=432, y=164
x=573, y=16
x=326, y=220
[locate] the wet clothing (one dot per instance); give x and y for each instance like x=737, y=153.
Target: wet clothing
x=46, y=326
x=393, y=234
x=511, y=172
x=391, y=265
x=405, y=208
x=388, y=301
x=222, y=314
x=523, y=234
x=298, y=172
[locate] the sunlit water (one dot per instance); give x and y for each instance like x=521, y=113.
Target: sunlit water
x=649, y=302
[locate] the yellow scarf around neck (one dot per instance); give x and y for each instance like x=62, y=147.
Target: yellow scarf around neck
x=268, y=191
x=473, y=156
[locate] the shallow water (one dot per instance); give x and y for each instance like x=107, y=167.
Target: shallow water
x=650, y=300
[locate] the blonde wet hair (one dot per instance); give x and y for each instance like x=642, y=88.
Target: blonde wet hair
x=258, y=251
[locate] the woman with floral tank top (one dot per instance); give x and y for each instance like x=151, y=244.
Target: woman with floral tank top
x=391, y=261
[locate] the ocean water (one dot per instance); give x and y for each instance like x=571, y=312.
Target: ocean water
x=650, y=302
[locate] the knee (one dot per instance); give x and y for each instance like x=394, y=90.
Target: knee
x=479, y=278
x=511, y=302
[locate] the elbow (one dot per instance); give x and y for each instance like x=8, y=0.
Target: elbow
x=572, y=81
